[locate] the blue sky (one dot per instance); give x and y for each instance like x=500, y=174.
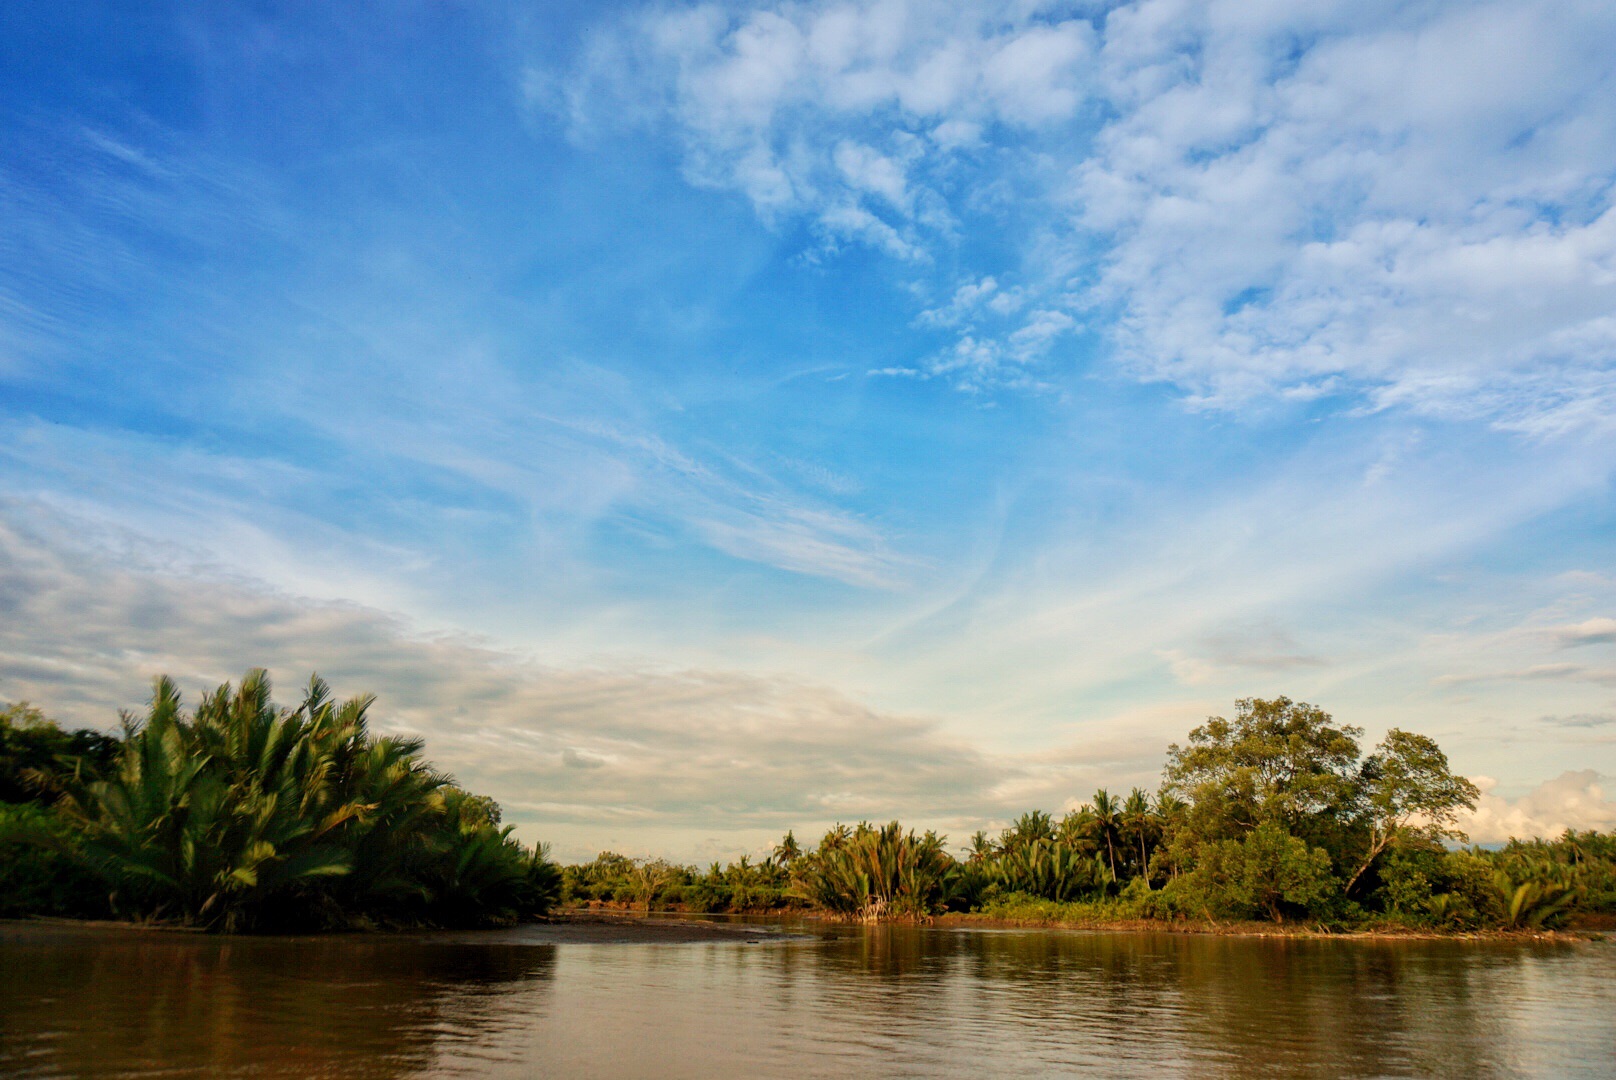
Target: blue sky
x=703, y=420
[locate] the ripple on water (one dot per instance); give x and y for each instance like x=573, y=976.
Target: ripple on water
x=849, y=1001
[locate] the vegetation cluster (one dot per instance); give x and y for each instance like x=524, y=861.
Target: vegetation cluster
x=1275, y=815
x=245, y=816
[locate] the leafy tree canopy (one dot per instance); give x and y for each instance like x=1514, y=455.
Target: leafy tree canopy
x=1277, y=761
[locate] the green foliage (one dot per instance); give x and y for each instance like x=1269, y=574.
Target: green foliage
x=37, y=757
x=1591, y=855
x=248, y=816
x=39, y=874
x=1051, y=870
x=1463, y=895
x=1268, y=874
x=1409, y=877
x=245, y=816
x=1535, y=893
x=878, y=872
x=742, y=886
x=1039, y=911
x=1272, y=815
x=1278, y=762
x=1408, y=795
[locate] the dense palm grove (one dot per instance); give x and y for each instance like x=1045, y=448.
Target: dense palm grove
x=247, y=816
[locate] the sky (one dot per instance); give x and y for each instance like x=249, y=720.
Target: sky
x=702, y=420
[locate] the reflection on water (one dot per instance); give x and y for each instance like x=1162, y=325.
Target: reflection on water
x=846, y=1001
x=133, y=1004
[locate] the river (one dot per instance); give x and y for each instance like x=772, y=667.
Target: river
x=829, y=1001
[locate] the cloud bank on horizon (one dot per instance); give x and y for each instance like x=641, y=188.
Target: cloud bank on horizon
x=700, y=420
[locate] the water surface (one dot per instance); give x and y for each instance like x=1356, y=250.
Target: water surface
x=836, y=1002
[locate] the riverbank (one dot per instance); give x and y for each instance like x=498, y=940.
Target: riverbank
x=1583, y=926
x=565, y=928
x=1595, y=930
x=597, y=926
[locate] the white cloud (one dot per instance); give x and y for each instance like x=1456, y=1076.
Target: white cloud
x=964, y=303
x=1597, y=631
x=1572, y=800
x=1040, y=331
x=1249, y=199
x=870, y=171
x=1375, y=206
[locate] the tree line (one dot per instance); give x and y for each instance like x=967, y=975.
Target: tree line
x=246, y=816
x=1276, y=814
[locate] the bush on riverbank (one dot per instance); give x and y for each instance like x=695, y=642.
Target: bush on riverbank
x=247, y=816
x=652, y=884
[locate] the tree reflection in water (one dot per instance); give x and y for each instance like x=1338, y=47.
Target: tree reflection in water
x=89, y=1003
x=843, y=1001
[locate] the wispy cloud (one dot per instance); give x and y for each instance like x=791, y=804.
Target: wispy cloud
x=1536, y=671
x=1250, y=202
x=664, y=754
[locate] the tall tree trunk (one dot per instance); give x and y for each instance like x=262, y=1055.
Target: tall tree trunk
x=1380, y=843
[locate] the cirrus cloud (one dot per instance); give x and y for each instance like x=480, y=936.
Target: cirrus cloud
x=1246, y=201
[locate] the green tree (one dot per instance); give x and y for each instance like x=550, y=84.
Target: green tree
x=1108, y=825
x=1139, y=827
x=1079, y=829
x=1029, y=828
x=1052, y=870
x=651, y=875
x=787, y=850
x=1263, y=873
x=1408, y=790
x=875, y=872
x=1277, y=761
x=38, y=758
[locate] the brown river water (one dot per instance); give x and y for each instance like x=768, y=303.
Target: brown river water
x=828, y=1001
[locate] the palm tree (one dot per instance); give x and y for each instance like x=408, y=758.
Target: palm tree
x=1052, y=870
x=787, y=850
x=1108, y=824
x=1533, y=892
x=1078, y=829
x=1032, y=826
x=1140, y=823
x=1171, y=813
x=878, y=872
x=245, y=815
